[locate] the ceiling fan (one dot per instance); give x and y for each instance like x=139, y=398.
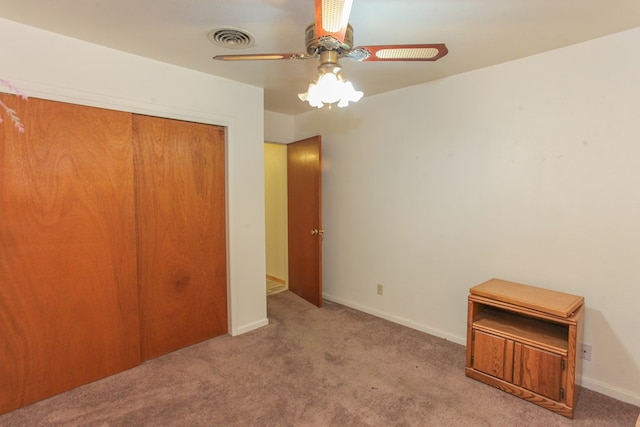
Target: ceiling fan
x=330, y=38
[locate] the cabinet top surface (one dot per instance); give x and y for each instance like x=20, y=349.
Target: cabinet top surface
x=540, y=299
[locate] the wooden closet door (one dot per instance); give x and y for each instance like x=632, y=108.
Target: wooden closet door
x=68, y=296
x=180, y=209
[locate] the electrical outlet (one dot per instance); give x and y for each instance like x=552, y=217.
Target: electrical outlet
x=586, y=352
x=380, y=289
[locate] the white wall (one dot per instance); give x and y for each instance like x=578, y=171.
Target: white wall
x=50, y=66
x=278, y=127
x=527, y=171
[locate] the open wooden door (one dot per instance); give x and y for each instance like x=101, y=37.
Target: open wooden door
x=304, y=183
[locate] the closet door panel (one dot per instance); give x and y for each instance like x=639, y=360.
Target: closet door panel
x=180, y=208
x=68, y=296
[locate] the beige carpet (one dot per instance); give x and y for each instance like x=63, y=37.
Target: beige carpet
x=309, y=367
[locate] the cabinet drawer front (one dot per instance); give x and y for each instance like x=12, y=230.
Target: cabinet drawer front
x=539, y=371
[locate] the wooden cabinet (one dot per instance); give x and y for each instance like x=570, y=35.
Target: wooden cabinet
x=523, y=340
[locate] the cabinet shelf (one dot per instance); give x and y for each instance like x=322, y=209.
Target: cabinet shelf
x=547, y=335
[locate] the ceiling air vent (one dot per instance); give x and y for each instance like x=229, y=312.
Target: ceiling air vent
x=231, y=38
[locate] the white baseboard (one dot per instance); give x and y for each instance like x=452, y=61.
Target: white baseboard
x=611, y=391
x=248, y=328
x=397, y=319
x=600, y=387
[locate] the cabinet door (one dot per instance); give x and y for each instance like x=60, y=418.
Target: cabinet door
x=538, y=370
x=180, y=211
x=492, y=355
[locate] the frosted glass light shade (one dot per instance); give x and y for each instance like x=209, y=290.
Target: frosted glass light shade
x=330, y=88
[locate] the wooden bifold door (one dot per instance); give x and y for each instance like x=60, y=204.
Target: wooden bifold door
x=112, y=244
x=180, y=215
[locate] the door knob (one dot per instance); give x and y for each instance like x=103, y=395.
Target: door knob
x=316, y=231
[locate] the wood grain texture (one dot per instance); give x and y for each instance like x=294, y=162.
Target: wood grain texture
x=522, y=393
x=509, y=356
x=68, y=297
x=541, y=372
x=181, y=229
x=304, y=192
x=524, y=311
x=551, y=336
x=540, y=299
x=540, y=349
x=489, y=354
x=574, y=360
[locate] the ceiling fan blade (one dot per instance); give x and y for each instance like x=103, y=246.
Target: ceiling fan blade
x=403, y=52
x=262, y=56
x=332, y=18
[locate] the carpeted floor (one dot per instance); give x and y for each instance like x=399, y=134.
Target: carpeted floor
x=333, y=366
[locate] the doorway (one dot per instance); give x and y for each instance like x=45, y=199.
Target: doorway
x=293, y=219
x=276, y=219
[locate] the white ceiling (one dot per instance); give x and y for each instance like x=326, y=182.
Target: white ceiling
x=478, y=33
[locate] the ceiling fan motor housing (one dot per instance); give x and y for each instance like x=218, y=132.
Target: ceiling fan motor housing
x=315, y=46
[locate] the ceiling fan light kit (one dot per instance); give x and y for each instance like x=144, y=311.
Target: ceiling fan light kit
x=331, y=38
x=330, y=87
